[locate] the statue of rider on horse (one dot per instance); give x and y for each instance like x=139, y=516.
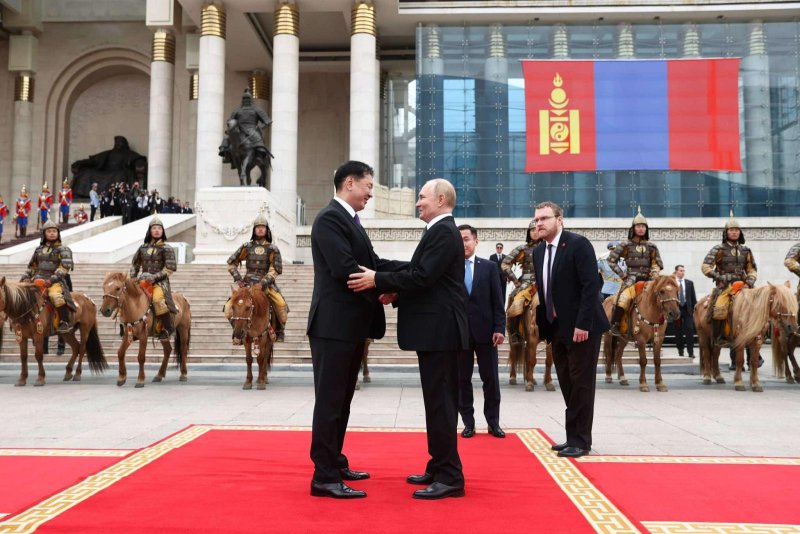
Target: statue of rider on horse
x=243, y=145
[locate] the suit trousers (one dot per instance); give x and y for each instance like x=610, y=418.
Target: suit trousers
x=576, y=367
x=487, y=368
x=438, y=371
x=684, y=333
x=336, y=364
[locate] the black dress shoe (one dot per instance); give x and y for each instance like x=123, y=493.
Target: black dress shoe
x=558, y=447
x=337, y=490
x=349, y=474
x=572, y=452
x=420, y=480
x=437, y=490
x=468, y=432
x=497, y=432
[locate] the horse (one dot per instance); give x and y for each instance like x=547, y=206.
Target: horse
x=527, y=348
x=244, y=157
x=751, y=312
x=783, y=345
x=132, y=304
x=251, y=321
x=364, y=364
x=31, y=317
x=647, y=321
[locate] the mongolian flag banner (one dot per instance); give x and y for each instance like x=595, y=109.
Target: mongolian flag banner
x=680, y=114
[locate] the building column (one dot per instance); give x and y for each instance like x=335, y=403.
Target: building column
x=23, y=135
x=757, y=120
x=430, y=106
x=211, y=98
x=162, y=79
x=364, y=87
x=285, y=99
x=186, y=188
x=258, y=82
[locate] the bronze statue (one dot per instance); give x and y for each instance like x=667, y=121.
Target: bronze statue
x=120, y=164
x=243, y=145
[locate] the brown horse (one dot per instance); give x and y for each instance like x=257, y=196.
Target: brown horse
x=132, y=304
x=32, y=318
x=783, y=345
x=523, y=355
x=647, y=321
x=251, y=321
x=752, y=311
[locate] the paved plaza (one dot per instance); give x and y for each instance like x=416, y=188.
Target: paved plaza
x=690, y=419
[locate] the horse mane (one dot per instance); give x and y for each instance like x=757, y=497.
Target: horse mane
x=132, y=287
x=20, y=298
x=658, y=284
x=260, y=301
x=116, y=276
x=755, y=303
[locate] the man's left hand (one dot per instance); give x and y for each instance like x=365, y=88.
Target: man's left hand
x=498, y=338
x=580, y=335
x=362, y=281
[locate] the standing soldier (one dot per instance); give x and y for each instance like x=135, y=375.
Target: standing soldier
x=524, y=286
x=21, y=211
x=726, y=263
x=643, y=262
x=51, y=262
x=65, y=201
x=156, y=259
x=45, y=201
x=3, y=215
x=263, y=263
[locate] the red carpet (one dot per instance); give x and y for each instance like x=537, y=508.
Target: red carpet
x=239, y=480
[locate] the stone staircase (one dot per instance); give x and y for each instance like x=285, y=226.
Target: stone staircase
x=207, y=287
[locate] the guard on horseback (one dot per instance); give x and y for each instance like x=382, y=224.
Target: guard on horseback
x=243, y=145
x=792, y=261
x=643, y=262
x=156, y=259
x=727, y=263
x=263, y=263
x=50, y=263
x=524, y=286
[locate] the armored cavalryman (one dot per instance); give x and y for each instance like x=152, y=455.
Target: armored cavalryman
x=263, y=263
x=156, y=259
x=524, y=286
x=51, y=262
x=643, y=262
x=792, y=261
x=726, y=263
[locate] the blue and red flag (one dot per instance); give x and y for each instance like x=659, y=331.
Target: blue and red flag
x=675, y=114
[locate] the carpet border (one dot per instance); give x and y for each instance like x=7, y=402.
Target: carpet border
x=711, y=460
x=679, y=527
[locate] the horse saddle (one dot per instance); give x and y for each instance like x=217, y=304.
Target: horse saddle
x=640, y=287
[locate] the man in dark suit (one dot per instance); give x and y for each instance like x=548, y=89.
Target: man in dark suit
x=432, y=320
x=498, y=257
x=684, y=331
x=487, y=323
x=339, y=322
x=571, y=317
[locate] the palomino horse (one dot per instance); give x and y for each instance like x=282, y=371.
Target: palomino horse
x=251, y=320
x=528, y=349
x=32, y=318
x=752, y=310
x=783, y=344
x=132, y=304
x=647, y=321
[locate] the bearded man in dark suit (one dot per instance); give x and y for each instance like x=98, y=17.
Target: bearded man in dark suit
x=432, y=320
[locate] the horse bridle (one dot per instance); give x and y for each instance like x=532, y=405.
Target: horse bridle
x=249, y=318
x=142, y=319
x=653, y=325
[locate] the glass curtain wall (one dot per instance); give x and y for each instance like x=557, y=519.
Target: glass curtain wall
x=470, y=120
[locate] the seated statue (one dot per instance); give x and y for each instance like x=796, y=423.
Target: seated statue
x=120, y=164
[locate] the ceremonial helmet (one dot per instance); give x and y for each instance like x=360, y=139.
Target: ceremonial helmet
x=639, y=219
x=155, y=221
x=65, y=182
x=261, y=220
x=23, y=191
x=50, y=223
x=733, y=223
x=531, y=226
x=44, y=187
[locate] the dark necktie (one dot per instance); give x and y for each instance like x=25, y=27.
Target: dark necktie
x=358, y=221
x=548, y=293
x=681, y=294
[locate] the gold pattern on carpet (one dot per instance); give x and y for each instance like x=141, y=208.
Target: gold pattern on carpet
x=676, y=527
x=689, y=460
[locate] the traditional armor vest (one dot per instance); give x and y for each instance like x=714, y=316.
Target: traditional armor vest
x=153, y=258
x=258, y=257
x=730, y=259
x=48, y=260
x=638, y=258
x=528, y=275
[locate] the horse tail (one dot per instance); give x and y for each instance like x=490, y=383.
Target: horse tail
x=270, y=353
x=780, y=350
x=94, y=352
x=178, y=347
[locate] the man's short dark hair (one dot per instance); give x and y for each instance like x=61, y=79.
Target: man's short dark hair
x=356, y=169
x=498, y=245
x=678, y=266
x=472, y=230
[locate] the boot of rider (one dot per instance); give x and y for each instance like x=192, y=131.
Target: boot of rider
x=718, y=329
x=513, y=330
x=616, y=318
x=166, y=326
x=64, y=320
x=280, y=329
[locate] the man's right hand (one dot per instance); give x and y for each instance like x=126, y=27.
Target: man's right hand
x=387, y=298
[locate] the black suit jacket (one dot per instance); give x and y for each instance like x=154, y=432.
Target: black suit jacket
x=338, y=246
x=432, y=308
x=691, y=297
x=494, y=258
x=575, y=289
x=485, y=304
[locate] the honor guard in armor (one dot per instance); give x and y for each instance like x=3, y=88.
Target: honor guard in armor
x=156, y=260
x=726, y=263
x=524, y=286
x=51, y=262
x=263, y=263
x=792, y=261
x=643, y=262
